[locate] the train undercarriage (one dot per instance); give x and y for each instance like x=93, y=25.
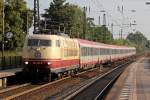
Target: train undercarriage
x=44, y=73
x=37, y=73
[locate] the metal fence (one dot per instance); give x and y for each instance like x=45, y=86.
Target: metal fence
x=10, y=62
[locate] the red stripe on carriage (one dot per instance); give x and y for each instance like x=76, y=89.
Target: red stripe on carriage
x=64, y=63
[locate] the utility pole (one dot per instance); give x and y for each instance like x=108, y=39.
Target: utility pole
x=112, y=28
x=121, y=31
x=104, y=19
x=122, y=7
x=112, y=31
x=104, y=24
x=84, y=22
x=27, y=23
x=122, y=12
x=99, y=21
x=36, y=17
x=3, y=29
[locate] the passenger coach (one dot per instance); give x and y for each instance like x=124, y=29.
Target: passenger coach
x=92, y=53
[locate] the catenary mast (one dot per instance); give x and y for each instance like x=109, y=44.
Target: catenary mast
x=36, y=17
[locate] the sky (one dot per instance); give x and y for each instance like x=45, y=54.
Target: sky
x=140, y=16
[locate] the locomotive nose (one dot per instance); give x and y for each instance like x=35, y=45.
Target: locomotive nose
x=38, y=49
x=37, y=54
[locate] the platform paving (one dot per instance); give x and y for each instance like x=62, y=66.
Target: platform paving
x=134, y=83
x=9, y=72
x=6, y=73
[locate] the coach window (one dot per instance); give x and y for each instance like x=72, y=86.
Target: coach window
x=83, y=51
x=108, y=51
x=86, y=49
x=101, y=51
x=90, y=51
x=58, y=43
x=113, y=51
x=96, y=51
x=105, y=52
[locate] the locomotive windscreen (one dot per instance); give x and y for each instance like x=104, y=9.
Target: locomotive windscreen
x=39, y=42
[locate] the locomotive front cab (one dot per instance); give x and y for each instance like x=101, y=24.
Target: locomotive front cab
x=40, y=50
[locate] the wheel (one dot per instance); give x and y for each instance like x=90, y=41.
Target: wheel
x=59, y=75
x=49, y=77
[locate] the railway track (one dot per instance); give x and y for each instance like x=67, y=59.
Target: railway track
x=13, y=87
x=97, y=89
x=54, y=90
x=19, y=91
x=10, y=92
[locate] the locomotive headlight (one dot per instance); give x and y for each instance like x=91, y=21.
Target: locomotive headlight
x=48, y=63
x=26, y=62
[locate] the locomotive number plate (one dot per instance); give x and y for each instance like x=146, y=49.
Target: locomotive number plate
x=37, y=63
x=37, y=55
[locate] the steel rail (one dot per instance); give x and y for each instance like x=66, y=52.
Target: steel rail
x=72, y=95
x=39, y=87
x=13, y=88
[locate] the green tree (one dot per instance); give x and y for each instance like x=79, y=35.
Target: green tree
x=56, y=14
x=72, y=18
x=122, y=42
x=100, y=34
x=76, y=26
x=148, y=44
x=67, y=15
x=138, y=39
x=15, y=22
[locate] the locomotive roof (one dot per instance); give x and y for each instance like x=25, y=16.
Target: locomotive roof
x=45, y=36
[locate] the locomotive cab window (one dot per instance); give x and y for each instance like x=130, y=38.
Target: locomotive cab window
x=57, y=43
x=45, y=43
x=39, y=42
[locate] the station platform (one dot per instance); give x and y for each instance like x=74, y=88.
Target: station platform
x=6, y=73
x=134, y=83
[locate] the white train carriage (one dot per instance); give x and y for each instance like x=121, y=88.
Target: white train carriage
x=92, y=53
